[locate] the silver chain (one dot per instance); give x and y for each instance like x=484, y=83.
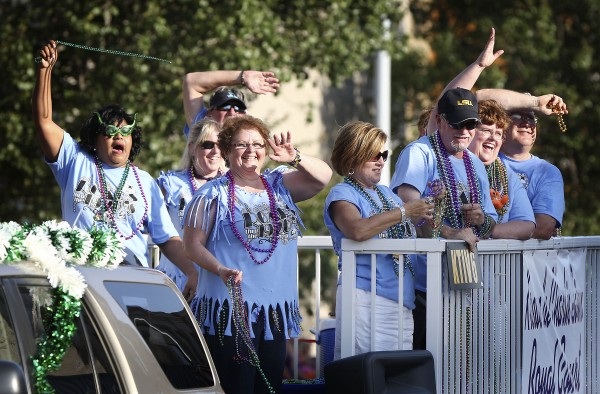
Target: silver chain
x=109, y=51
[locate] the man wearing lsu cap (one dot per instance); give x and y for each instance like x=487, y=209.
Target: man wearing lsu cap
x=225, y=101
x=444, y=157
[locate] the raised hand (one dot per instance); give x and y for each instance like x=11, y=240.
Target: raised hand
x=487, y=57
x=260, y=82
x=551, y=104
x=282, y=149
x=48, y=54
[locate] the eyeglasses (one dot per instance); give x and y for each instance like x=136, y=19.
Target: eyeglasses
x=496, y=134
x=208, y=144
x=245, y=145
x=380, y=155
x=112, y=130
x=468, y=124
x=236, y=108
x=524, y=118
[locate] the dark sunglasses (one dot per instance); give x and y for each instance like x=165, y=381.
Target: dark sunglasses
x=468, y=124
x=524, y=118
x=208, y=144
x=112, y=130
x=236, y=108
x=380, y=155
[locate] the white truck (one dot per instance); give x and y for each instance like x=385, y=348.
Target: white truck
x=135, y=334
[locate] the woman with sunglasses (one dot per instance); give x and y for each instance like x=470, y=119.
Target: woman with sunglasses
x=201, y=162
x=242, y=228
x=100, y=185
x=360, y=209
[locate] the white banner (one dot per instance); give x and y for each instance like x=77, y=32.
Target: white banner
x=553, y=321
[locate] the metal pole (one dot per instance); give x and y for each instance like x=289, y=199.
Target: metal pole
x=383, y=81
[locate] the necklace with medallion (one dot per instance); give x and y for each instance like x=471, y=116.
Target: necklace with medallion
x=453, y=208
x=393, y=232
x=498, y=178
x=109, y=206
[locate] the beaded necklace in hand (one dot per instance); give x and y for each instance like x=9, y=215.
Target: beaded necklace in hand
x=102, y=50
x=561, y=122
x=242, y=329
x=498, y=178
x=272, y=213
x=453, y=210
x=393, y=232
x=107, y=204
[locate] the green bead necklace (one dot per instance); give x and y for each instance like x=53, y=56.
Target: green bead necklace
x=394, y=232
x=109, y=51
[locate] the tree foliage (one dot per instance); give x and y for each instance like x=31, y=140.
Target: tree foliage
x=335, y=37
x=550, y=47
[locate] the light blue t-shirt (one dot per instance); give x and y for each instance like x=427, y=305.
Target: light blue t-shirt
x=519, y=207
x=177, y=192
x=81, y=199
x=272, y=284
x=199, y=116
x=417, y=166
x=544, y=184
x=387, y=280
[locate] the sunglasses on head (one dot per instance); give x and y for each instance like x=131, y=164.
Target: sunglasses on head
x=208, y=144
x=468, y=124
x=380, y=155
x=524, y=118
x=236, y=108
x=112, y=130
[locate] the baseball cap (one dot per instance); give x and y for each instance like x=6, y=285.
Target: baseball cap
x=458, y=105
x=225, y=95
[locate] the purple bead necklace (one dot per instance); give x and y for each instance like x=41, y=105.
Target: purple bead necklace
x=272, y=213
x=107, y=204
x=454, y=212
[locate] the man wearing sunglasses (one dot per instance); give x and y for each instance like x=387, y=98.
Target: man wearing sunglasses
x=225, y=101
x=542, y=180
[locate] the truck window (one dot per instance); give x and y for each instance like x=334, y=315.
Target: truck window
x=8, y=340
x=162, y=320
x=85, y=367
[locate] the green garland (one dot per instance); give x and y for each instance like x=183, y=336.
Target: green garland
x=59, y=323
x=56, y=249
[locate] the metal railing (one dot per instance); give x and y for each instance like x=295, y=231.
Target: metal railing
x=475, y=336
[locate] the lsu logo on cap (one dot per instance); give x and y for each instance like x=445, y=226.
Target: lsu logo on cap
x=464, y=102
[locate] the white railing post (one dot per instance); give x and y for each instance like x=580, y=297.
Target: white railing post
x=348, y=331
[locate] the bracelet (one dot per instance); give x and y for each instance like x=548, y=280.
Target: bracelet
x=485, y=228
x=242, y=78
x=297, y=159
x=404, y=218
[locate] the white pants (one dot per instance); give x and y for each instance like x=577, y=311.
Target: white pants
x=386, y=324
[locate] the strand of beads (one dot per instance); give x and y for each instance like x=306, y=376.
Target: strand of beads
x=498, y=178
x=242, y=329
x=561, y=122
x=109, y=51
x=468, y=346
x=107, y=205
x=272, y=213
x=393, y=232
x=454, y=211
